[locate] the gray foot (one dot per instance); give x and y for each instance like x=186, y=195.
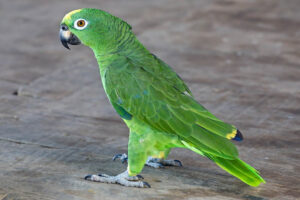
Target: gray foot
x=122, y=179
x=151, y=162
x=160, y=163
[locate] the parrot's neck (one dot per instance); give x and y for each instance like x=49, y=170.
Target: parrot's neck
x=126, y=47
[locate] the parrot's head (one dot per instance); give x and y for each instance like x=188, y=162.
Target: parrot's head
x=92, y=27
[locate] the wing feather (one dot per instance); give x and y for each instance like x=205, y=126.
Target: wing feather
x=162, y=102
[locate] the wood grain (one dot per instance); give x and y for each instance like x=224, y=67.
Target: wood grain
x=240, y=58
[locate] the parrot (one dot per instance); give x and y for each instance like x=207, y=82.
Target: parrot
x=158, y=108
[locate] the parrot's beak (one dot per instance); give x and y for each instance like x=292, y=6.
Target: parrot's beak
x=67, y=37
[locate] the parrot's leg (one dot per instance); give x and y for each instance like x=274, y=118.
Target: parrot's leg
x=136, y=160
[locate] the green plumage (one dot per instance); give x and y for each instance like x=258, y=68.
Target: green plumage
x=154, y=102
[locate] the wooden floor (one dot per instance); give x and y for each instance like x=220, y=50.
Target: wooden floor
x=241, y=59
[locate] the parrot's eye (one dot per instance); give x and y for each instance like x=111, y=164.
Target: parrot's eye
x=80, y=24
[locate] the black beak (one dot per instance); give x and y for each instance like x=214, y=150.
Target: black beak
x=66, y=37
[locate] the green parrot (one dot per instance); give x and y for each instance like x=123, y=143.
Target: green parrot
x=154, y=102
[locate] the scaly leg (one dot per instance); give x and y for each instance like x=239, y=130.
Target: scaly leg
x=136, y=161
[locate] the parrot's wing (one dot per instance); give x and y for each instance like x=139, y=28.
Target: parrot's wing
x=136, y=92
x=165, y=72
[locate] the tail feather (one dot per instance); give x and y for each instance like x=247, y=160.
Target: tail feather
x=238, y=136
x=239, y=169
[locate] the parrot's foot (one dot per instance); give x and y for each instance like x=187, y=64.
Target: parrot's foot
x=122, y=179
x=160, y=163
x=151, y=162
x=123, y=157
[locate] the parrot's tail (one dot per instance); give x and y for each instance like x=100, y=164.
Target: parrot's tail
x=239, y=169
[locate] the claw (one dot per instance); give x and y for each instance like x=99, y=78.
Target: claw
x=140, y=177
x=88, y=177
x=146, y=185
x=122, y=157
x=179, y=162
x=117, y=156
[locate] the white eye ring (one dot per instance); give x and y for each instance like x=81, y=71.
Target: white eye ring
x=80, y=24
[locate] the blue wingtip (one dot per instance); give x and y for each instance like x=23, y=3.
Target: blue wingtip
x=238, y=136
x=126, y=116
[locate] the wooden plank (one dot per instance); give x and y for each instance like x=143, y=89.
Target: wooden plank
x=3, y=196
x=240, y=59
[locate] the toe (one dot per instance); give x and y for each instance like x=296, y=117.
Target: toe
x=103, y=175
x=134, y=178
x=155, y=165
x=122, y=179
x=117, y=156
x=138, y=184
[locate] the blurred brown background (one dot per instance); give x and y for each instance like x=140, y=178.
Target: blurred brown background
x=240, y=59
